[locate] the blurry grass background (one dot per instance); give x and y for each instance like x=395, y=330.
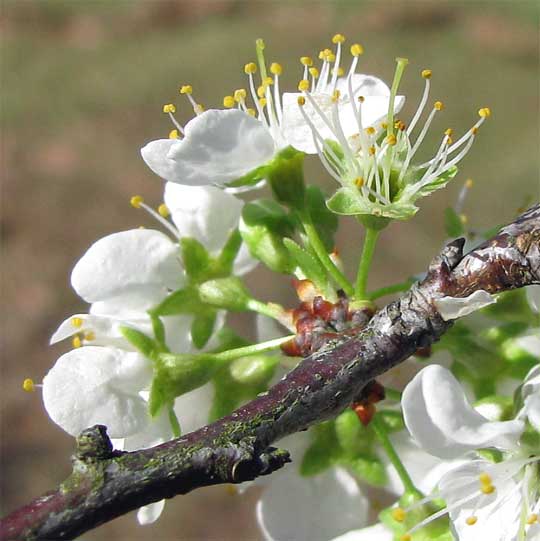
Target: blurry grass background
x=83, y=83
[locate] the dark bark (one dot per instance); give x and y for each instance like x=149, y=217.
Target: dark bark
x=105, y=484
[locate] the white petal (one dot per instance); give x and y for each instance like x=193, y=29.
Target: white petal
x=377, y=532
x=533, y=296
x=178, y=333
x=125, y=262
x=193, y=408
x=454, y=308
x=307, y=509
x=531, y=383
x=156, y=431
x=244, y=261
x=530, y=343
x=150, y=513
x=532, y=410
x=218, y=147
x=206, y=213
x=98, y=385
x=444, y=424
x=132, y=305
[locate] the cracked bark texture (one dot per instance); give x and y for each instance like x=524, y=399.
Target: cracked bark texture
x=105, y=484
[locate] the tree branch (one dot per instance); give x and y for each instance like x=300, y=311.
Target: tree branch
x=106, y=483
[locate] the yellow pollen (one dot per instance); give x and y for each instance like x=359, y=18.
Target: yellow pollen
x=340, y=71
x=29, y=387
x=199, y=108
x=186, y=89
x=487, y=489
x=268, y=81
x=449, y=141
x=276, y=69
x=357, y=49
x=136, y=201
x=335, y=96
x=384, y=125
x=76, y=341
x=438, y=105
x=250, y=111
x=169, y=108
x=77, y=322
x=372, y=151
x=251, y=67
x=406, y=537
x=449, y=132
x=370, y=130
x=463, y=218
x=426, y=74
x=359, y=182
x=301, y=101
x=240, y=95
x=314, y=72
x=401, y=126
x=474, y=130
x=469, y=183
x=261, y=91
x=163, y=210
x=330, y=58
x=228, y=101
x=303, y=85
x=531, y=519
x=338, y=38
x=484, y=112
x=485, y=478
x=89, y=335
x=471, y=521
x=398, y=514
x=262, y=102
x=391, y=139
x=174, y=134
x=306, y=61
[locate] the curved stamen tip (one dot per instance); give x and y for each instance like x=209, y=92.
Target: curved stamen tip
x=136, y=201
x=240, y=95
x=28, y=385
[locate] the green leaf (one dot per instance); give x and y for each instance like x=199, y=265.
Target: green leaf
x=250, y=179
x=202, y=328
x=182, y=301
x=325, y=222
x=148, y=347
x=197, y=262
x=308, y=264
x=268, y=213
x=452, y=223
x=285, y=174
x=369, y=468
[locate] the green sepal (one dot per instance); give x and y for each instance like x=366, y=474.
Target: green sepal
x=309, y=265
x=159, y=330
x=285, y=174
x=352, y=435
x=228, y=339
x=197, y=261
x=175, y=375
x=270, y=214
x=181, y=301
x=202, y=328
x=251, y=178
x=254, y=370
x=229, y=252
x=141, y=342
x=452, y=223
x=228, y=293
x=325, y=222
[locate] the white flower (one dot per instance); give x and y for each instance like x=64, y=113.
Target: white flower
x=531, y=397
x=485, y=500
x=456, y=307
x=377, y=532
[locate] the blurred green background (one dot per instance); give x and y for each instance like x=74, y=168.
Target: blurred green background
x=83, y=83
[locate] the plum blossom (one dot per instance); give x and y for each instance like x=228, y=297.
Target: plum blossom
x=485, y=500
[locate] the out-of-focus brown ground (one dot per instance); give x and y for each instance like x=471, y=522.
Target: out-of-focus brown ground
x=83, y=86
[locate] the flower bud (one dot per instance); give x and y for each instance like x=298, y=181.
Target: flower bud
x=228, y=293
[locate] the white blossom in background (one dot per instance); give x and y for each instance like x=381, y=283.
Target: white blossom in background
x=485, y=500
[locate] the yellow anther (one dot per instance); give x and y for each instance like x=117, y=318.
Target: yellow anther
x=372, y=151
x=471, y=521
x=163, y=210
x=438, y=105
x=391, y=139
x=357, y=49
x=77, y=322
x=169, y=108
x=276, y=69
x=89, y=335
x=426, y=74
x=306, y=61
x=406, y=537
x=262, y=102
x=303, y=85
x=250, y=111
x=469, y=183
x=250, y=68
x=463, y=218
x=76, y=341
x=186, y=89
x=449, y=132
x=361, y=99
x=370, y=130
x=261, y=91
x=228, y=101
x=359, y=182
x=268, y=81
x=449, y=141
x=198, y=108
x=399, y=514
x=335, y=95
x=136, y=201
x=301, y=101
x=487, y=489
x=240, y=95
x=339, y=71
x=400, y=125
x=531, y=519
x=474, y=130
x=485, y=478
x=174, y=134
x=338, y=38
x=29, y=387
x=330, y=58
x=384, y=125
x=484, y=112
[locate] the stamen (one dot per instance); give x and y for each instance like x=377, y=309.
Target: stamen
x=76, y=341
x=399, y=514
x=531, y=519
x=89, y=336
x=29, y=386
x=77, y=322
x=303, y=85
x=170, y=109
x=338, y=39
x=277, y=70
x=174, y=134
x=138, y=202
x=400, y=68
x=187, y=90
x=229, y=102
x=135, y=202
x=250, y=68
x=472, y=520
x=163, y=210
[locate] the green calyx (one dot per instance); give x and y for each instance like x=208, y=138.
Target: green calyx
x=285, y=173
